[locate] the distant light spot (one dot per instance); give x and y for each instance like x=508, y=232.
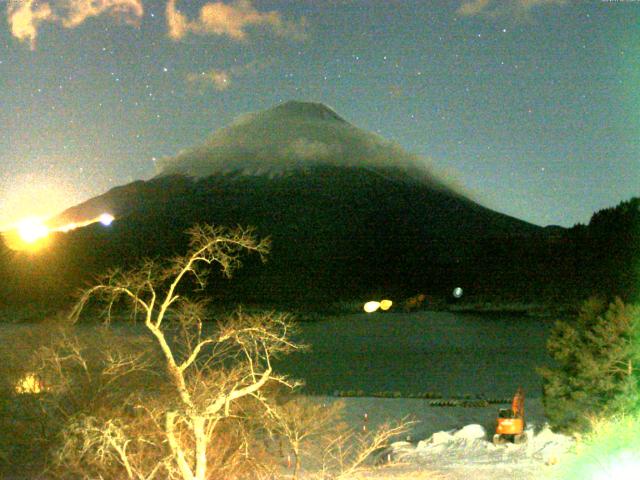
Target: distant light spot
x=457, y=292
x=106, y=219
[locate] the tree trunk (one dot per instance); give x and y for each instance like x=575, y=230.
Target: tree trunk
x=176, y=450
x=298, y=464
x=201, y=447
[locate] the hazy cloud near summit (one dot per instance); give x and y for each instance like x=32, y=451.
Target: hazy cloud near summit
x=297, y=135
x=25, y=16
x=230, y=19
x=304, y=149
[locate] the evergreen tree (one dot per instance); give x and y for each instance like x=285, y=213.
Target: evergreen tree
x=596, y=368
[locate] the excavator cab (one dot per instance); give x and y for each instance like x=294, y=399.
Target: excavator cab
x=510, y=422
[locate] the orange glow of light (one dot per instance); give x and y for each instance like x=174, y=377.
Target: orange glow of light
x=68, y=227
x=32, y=229
x=32, y=233
x=41, y=195
x=30, y=384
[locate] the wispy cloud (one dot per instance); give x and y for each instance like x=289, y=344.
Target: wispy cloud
x=222, y=79
x=473, y=7
x=24, y=19
x=304, y=149
x=129, y=11
x=219, y=79
x=519, y=9
x=230, y=19
x=25, y=16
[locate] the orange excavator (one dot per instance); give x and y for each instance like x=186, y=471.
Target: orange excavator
x=510, y=422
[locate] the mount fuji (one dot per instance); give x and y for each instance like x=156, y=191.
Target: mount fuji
x=348, y=212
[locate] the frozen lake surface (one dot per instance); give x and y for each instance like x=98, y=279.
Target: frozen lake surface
x=445, y=353
x=438, y=352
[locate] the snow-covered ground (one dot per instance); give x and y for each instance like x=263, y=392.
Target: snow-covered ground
x=451, y=354
x=455, y=442
x=470, y=447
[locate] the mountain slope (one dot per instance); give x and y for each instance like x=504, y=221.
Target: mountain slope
x=338, y=229
x=347, y=211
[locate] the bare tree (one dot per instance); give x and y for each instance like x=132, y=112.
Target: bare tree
x=303, y=423
x=210, y=368
x=350, y=451
x=346, y=452
x=317, y=433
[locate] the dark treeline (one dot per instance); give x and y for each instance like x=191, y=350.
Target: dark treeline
x=601, y=258
x=324, y=250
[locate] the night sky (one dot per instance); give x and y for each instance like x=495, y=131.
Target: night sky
x=531, y=105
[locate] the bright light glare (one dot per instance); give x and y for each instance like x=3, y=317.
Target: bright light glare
x=624, y=467
x=371, y=307
x=41, y=195
x=29, y=233
x=31, y=230
x=68, y=227
x=106, y=219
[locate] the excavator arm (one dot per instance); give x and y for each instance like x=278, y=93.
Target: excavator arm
x=517, y=405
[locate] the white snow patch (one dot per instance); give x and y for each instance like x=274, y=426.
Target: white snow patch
x=471, y=432
x=469, y=446
x=440, y=438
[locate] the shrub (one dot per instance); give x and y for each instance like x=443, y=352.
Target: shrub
x=597, y=362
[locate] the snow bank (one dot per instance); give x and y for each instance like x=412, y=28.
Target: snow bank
x=470, y=446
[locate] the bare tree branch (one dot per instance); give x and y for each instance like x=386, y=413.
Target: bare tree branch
x=209, y=374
